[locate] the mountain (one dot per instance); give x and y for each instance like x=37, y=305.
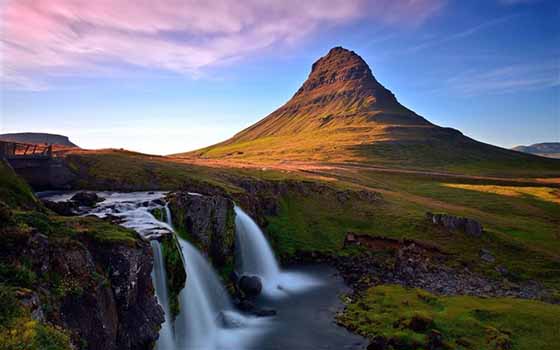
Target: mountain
x=38, y=138
x=342, y=114
x=545, y=149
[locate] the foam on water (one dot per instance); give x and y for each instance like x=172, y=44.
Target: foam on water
x=207, y=320
x=257, y=259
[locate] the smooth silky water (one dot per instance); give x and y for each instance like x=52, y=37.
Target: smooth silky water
x=207, y=320
x=256, y=258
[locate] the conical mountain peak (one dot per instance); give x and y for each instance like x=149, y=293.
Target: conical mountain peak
x=342, y=71
x=340, y=106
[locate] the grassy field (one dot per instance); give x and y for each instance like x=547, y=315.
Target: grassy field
x=521, y=222
x=521, y=218
x=406, y=318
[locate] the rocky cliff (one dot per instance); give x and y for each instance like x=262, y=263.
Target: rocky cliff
x=71, y=282
x=100, y=293
x=207, y=221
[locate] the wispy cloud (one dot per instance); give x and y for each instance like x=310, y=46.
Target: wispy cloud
x=508, y=79
x=462, y=34
x=516, y=2
x=42, y=37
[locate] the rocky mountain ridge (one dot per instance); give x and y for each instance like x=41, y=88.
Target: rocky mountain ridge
x=545, y=149
x=38, y=138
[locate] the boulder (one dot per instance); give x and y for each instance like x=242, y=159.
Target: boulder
x=87, y=199
x=250, y=286
x=487, y=256
x=468, y=226
x=68, y=208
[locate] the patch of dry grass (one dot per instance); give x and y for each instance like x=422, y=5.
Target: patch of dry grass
x=543, y=193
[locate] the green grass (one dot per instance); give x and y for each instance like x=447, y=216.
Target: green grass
x=96, y=229
x=532, y=217
x=13, y=190
x=519, y=231
x=461, y=158
x=122, y=170
x=18, y=331
x=485, y=324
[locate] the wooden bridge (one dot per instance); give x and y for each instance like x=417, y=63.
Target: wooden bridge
x=38, y=165
x=16, y=150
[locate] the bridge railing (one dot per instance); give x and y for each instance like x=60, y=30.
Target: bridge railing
x=16, y=150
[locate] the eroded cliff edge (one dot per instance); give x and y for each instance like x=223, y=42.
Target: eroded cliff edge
x=71, y=282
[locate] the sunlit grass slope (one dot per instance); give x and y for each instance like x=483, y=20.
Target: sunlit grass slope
x=407, y=317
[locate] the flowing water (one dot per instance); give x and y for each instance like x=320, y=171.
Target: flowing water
x=255, y=254
x=257, y=259
x=207, y=320
x=159, y=277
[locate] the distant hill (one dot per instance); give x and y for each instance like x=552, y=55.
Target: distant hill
x=545, y=149
x=342, y=114
x=38, y=138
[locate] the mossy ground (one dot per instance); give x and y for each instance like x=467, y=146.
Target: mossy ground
x=18, y=330
x=521, y=231
x=22, y=215
x=123, y=170
x=14, y=192
x=407, y=316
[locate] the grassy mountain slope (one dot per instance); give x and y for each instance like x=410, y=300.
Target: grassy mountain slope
x=343, y=114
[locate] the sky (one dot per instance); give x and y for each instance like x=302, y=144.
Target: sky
x=170, y=76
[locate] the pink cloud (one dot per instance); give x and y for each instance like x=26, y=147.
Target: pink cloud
x=54, y=36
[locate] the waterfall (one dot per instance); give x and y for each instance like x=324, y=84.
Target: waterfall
x=257, y=259
x=254, y=251
x=159, y=278
x=207, y=319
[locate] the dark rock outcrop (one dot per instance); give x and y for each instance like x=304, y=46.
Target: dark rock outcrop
x=209, y=221
x=175, y=270
x=86, y=199
x=101, y=293
x=65, y=208
x=468, y=226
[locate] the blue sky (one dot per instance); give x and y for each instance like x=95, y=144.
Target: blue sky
x=151, y=83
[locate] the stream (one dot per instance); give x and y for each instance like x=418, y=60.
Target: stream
x=306, y=298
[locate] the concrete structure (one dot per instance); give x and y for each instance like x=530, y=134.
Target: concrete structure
x=36, y=165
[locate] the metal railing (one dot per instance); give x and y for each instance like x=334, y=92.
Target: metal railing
x=17, y=150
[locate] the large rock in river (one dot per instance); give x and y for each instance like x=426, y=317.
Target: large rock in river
x=251, y=286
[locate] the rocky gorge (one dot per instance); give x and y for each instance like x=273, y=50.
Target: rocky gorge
x=100, y=293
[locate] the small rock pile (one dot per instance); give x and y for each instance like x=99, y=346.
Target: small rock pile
x=454, y=223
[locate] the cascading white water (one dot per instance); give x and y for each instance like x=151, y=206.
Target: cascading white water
x=257, y=258
x=207, y=320
x=202, y=301
x=159, y=278
x=254, y=251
